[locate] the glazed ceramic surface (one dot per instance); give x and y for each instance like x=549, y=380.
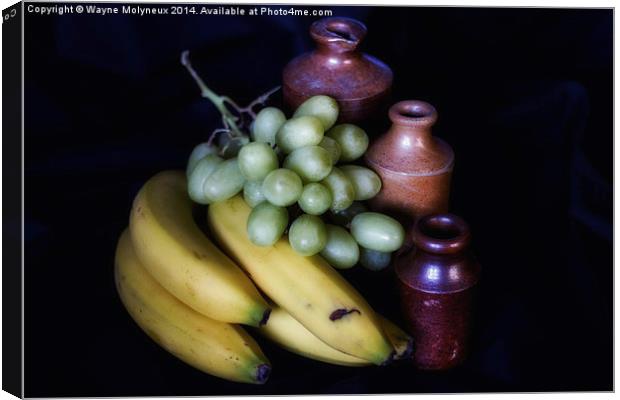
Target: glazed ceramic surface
x=360, y=83
x=415, y=167
x=437, y=281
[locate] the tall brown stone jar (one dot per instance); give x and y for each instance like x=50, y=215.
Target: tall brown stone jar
x=437, y=280
x=415, y=166
x=360, y=83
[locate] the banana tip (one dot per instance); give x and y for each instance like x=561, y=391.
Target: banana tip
x=266, y=315
x=262, y=373
x=408, y=353
x=389, y=360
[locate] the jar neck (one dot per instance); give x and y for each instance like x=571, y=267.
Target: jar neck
x=337, y=51
x=408, y=137
x=412, y=123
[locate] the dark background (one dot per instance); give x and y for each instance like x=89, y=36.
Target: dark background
x=524, y=97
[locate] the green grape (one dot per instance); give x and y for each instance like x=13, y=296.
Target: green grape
x=282, y=187
x=311, y=163
x=332, y=147
x=299, y=132
x=266, y=124
x=307, y=235
x=266, y=224
x=225, y=182
x=344, y=217
x=256, y=160
x=341, y=188
x=377, y=231
x=365, y=181
x=324, y=108
x=341, y=250
x=230, y=146
x=352, y=139
x=315, y=199
x=253, y=193
x=200, y=173
x=374, y=260
x=199, y=152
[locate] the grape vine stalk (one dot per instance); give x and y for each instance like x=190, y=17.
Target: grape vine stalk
x=236, y=122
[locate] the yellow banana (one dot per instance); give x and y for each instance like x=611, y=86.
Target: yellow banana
x=183, y=260
x=308, y=288
x=214, y=347
x=286, y=331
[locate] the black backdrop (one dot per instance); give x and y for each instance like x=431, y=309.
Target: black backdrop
x=524, y=97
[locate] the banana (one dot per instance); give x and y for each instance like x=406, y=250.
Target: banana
x=401, y=341
x=214, y=347
x=286, y=331
x=308, y=288
x=183, y=260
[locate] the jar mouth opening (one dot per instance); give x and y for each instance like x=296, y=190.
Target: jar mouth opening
x=338, y=33
x=341, y=31
x=413, y=113
x=416, y=110
x=441, y=233
x=440, y=227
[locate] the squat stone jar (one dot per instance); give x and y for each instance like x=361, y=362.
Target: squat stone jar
x=359, y=82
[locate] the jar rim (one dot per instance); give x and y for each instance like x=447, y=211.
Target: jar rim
x=342, y=32
x=441, y=234
x=415, y=113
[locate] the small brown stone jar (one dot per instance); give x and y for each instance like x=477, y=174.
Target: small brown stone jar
x=360, y=83
x=437, y=280
x=415, y=167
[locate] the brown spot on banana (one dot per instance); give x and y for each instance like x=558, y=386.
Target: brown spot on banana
x=341, y=312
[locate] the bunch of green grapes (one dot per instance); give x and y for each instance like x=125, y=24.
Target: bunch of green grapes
x=302, y=167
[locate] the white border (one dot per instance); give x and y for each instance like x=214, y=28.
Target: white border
x=479, y=3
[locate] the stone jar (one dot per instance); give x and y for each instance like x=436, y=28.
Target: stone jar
x=360, y=83
x=415, y=167
x=437, y=280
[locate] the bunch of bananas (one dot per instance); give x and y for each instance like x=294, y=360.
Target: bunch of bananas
x=190, y=296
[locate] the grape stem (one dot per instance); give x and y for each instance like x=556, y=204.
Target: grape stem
x=260, y=100
x=228, y=119
x=232, y=124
